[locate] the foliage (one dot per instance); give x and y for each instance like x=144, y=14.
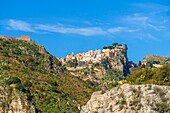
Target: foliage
x=149, y=75
x=114, y=45
x=110, y=79
x=13, y=80
x=114, y=74
x=108, y=47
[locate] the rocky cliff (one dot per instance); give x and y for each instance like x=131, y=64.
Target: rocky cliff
x=130, y=99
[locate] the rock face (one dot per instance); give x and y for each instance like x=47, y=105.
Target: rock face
x=120, y=62
x=130, y=99
x=12, y=101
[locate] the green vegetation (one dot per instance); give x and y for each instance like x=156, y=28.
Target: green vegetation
x=34, y=71
x=160, y=76
x=161, y=107
x=115, y=44
x=30, y=55
x=13, y=80
x=114, y=75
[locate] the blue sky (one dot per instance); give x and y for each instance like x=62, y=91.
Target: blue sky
x=65, y=26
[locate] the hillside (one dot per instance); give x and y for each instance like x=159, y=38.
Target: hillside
x=39, y=75
x=130, y=99
x=30, y=55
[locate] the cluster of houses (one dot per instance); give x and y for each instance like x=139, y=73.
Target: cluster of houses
x=93, y=56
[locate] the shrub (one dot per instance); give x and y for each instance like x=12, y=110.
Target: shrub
x=52, y=82
x=5, y=67
x=27, y=84
x=13, y=80
x=20, y=87
x=161, y=107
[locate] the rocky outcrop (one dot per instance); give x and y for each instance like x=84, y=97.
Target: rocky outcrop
x=154, y=59
x=120, y=62
x=12, y=101
x=130, y=99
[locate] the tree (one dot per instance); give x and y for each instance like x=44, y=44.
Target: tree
x=105, y=47
x=75, y=62
x=115, y=44
x=149, y=64
x=139, y=64
x=108, y=47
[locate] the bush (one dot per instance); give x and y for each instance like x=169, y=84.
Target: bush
x=52, y=82
x=27, y=84
x=13, y=80
x=161, y=107
x=20, y=87
x=5, y=67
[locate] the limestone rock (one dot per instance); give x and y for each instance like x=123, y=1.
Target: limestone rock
x=130, y=99
x=12, y=101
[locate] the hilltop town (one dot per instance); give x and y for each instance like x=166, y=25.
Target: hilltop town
x=96, y=56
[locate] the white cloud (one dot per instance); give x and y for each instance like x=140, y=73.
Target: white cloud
x=136, y=18
x=19, y=25
x=24, y=26
x=87, y=31
x=137, y=22
x=121, y=29
x=153, y=26
x=150, y=36
x=152, y=8
x=142, y=21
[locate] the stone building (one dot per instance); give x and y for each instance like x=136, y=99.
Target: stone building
x=26, y=38
x=108, y=54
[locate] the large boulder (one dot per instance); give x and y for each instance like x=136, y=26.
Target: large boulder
x=130, y=99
